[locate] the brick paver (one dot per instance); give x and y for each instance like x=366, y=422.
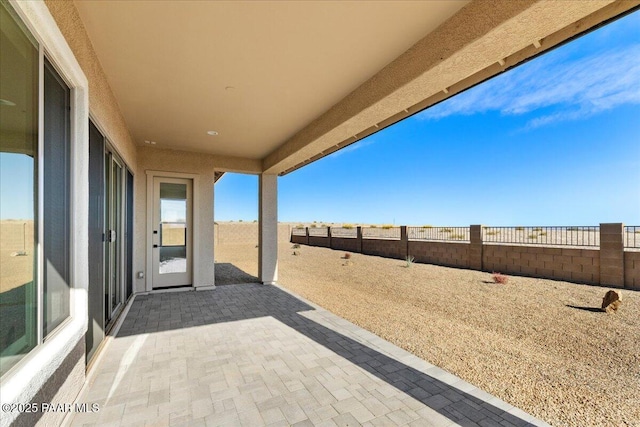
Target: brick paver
x=255, y=355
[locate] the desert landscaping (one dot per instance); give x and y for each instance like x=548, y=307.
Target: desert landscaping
x=542, y=345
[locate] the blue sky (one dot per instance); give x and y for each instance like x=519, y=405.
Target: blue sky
x=555, y=141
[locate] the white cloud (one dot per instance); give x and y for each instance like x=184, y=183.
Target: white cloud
x=574, y=88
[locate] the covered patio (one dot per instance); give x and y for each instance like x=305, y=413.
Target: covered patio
x=255, y=355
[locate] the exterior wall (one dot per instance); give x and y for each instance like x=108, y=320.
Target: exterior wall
x=154, y=159
x=44, y=375
x=234, y=233
x=344, y=244
x=324, y=242
x=60, y=388
x=632, y=270
x=441, y=253
x=559, y=263
x=299, y=239
x=385, y=248
x=102, y=103
x=578, y=265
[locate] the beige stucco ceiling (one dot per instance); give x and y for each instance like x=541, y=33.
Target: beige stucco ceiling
x=286, y=83
x=256, y=72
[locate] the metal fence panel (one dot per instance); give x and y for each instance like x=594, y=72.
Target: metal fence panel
x=545, y=236
x=456, y=234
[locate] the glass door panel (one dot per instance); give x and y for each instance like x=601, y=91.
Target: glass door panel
x=171, y=246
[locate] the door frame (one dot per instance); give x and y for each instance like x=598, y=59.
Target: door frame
x=195, y=218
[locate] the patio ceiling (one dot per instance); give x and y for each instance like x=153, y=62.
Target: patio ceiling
x=289, y=82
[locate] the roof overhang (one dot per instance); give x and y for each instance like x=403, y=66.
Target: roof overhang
x=287, y=83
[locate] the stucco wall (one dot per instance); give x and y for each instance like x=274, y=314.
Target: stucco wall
x=154, y=159
x=102, y=102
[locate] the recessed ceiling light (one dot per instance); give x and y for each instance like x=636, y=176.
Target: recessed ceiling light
x=7, y=103
x=150, y=142
x=212, y=132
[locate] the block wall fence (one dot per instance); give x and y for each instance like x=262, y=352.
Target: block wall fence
x=607, y=265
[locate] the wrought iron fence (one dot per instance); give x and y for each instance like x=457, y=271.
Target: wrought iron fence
x=427, y=232
x=381, y=232
x=632, y=236
x=297, y=231
x=319, y=231
x=350, y=232
x=547, y=236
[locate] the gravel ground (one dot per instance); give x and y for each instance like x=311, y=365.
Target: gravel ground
x=541, y=345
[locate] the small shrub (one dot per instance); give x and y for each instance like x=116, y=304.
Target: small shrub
x=493, y=233
x=239, y=220
x=313, y=225
x=347, y=255
x=409, y=259
x=347, y=226
x=255, y=220
x=300, y=227
x=374, y=226
x=533, y=236
x=572, y=228
x=519, y=228
x=295, y=246
x=637, y=231
x=427, y=226
x=543, y=233
x=295, y=253
x=446, y=230
x=500, y=278
x=537, y=229
x=457, y=236
x=387, y=227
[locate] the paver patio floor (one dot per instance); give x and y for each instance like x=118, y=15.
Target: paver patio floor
x=255, y=355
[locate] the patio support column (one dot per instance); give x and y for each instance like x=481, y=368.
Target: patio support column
x=268, y=229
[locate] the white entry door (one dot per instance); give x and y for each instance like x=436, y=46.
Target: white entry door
x=172, y=232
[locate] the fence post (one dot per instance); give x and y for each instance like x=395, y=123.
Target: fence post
x=307, y=234
x=329, y=236
x=359, y=239
x=405, y=239
x=612, y=254
x=475, y=247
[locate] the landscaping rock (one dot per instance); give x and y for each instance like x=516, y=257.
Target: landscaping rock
x=611, y=301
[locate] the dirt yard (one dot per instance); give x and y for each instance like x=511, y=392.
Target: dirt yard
x=541, y=345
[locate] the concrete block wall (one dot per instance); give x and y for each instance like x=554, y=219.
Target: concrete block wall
x=385, y=248
x=609, y=265
x=578, y=265
x=440, y=253
x=232, y=233
x=632, y=270
x=345, y=244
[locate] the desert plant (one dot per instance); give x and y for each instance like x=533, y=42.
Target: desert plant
x=409, y=259
x=347, y=255
x=519, y=228
x=533, y=236
x=295, y=246
x=313, y=225
x=457, y=236
x=255, y=220
x=446, y=230
x=239, y=220
x=296, y=253
x=572, y=228
x=427, y=226
x=387, y=227
x=300, y=227
x=493, y=232
x=537, y=229
x=543, y=233
x=374, y=226
x=347, y=226
x=499, y=278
